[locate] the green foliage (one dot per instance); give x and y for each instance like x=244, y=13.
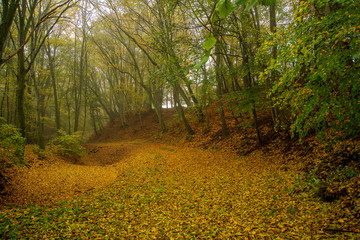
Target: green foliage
x=246, y=100
x=319, y=76
x=292, y=210
x=327, y=181
x=349, y=172
x=251, y=4
x=224, y=8
x=41, y=153
x=168, y=149
x=209, y=43
x=203, y=60
x=238, y=3
x=268, y=2
x=12, y=145
x=68, y=145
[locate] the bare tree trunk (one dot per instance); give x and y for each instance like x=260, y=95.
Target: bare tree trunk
x=93, y=118
x=7, y=17
x=248, y=82
x=5, y=95
x=68, y=105
x=54, y=87
x=188, y=86
x=20, y=91
x=274, y=110
x=21, y=72
x=69, y=117
x=39, y=113
x=185, y=97
x=180, y=110
x=219, y=92
x=108, y=111
x=248, y=85
x=160, y=118
x=78, y=89
x=29, y=15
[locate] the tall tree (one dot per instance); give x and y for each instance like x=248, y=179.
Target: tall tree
x=51, y=55
x=8, y=12
x=218, y=76
x=29, y=18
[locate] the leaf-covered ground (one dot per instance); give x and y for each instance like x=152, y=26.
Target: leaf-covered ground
x=138, y=189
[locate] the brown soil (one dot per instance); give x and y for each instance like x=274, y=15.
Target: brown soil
x=139, y=126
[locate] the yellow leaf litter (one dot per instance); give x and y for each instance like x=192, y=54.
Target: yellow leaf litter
x=139, y=189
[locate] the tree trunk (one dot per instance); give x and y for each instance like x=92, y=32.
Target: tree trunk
x=185, y=97
x=40, y=112
x=248, y=85
x=245, y=51
x=7, y=17
x=188, y=86
x=5, y=95
x=69, y=117
x=219, y=90
x=21, y=72
x=93, y=118
x=54, y=87
x=78, y=88
x=180, y=111
x=274, y=110
x=20, y=91
x=160, y=118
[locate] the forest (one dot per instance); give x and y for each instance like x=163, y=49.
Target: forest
x=168, y=119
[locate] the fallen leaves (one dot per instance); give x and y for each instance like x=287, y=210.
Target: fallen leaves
x=182, y=193
x=52, y=179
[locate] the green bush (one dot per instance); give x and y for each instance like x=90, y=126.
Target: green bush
x=68, y=145
x=41, y=153
x=12, y=145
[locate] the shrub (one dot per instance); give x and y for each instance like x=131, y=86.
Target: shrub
x=68, y=145
x=41, y=153
x=12, y=145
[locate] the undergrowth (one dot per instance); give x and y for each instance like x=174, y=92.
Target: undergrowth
x=12, y=145
x=68, y=145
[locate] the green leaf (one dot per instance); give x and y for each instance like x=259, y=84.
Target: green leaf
x=238, y=3
x=268, y=2
x=203, y=60
x=224, y=8
x=251, y=5
x=209, y=43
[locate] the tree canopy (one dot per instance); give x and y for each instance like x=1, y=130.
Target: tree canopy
x=78, y=65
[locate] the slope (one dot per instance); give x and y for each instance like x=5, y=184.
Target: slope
x=136, y=188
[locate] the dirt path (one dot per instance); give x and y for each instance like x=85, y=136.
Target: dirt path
x=141, y=189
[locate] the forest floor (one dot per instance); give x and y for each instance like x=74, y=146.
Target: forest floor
x=129, y=186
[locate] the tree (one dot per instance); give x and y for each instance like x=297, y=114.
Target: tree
x=8, y=12
x=51, y=55
x=29, y=18
x=80, y=67
x=317, y=60
x=218, y=66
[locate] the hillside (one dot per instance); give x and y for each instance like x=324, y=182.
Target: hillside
x=138, y=183
x=241, y=140
x=330, y=174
